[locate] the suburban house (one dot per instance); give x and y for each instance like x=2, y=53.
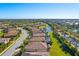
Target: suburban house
x=35, y=30
x=12, y=32
x=37, y=39
x=36, y=47
x=77, y=46
x=39, y=24
x=39, y=34
x=1, y=23
x=35, y=54
x=4, y=40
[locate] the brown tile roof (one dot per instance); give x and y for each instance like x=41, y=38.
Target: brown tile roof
x=35, y=54
x=37, y=39
x=39, y=34
x=36, y=46
x=11, y=32
x=35, y=30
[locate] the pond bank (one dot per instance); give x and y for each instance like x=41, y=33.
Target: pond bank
x=55, y=48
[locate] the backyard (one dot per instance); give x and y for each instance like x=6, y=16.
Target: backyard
x=55, y=49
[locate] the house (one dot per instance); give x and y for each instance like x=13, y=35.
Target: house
x=77, y=46
x=73, y=42
x=35, y=54
x=12, y=32
x=39, y=24
x=36, y=47
x=39, y=34
x=1, y=23
x=65, y=35
x=4, y=40
x=37, y=39
x=35, y=30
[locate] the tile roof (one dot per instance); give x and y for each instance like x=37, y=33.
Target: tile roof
x=3, y=40
x=36, y=46
x=35, y=54
x=37, y=39
x=11, y=32
x=39, y=34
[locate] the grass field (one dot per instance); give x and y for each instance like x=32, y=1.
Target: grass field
x=1, y=33
x=43, y=26
x=55, y=49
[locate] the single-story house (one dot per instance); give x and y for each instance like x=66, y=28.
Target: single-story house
x=37, y=39
x=77, y=46
x=35, y=30
x=39, y=34
x=11, y=32
x=36, y=47
x=35, y=53
x=4, y=40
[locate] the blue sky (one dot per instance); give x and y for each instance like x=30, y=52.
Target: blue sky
x=39, y=10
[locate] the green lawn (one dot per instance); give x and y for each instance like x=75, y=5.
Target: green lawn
x=43, y=26
x=55, y=49
x=1, y=33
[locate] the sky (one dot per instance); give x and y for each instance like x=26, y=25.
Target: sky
x=39, y=10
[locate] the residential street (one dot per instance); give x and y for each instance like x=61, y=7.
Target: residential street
x=18, y=42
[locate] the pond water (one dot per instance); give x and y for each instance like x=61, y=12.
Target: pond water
x=47, y=29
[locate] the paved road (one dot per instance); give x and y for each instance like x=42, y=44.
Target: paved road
x=20, y=40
